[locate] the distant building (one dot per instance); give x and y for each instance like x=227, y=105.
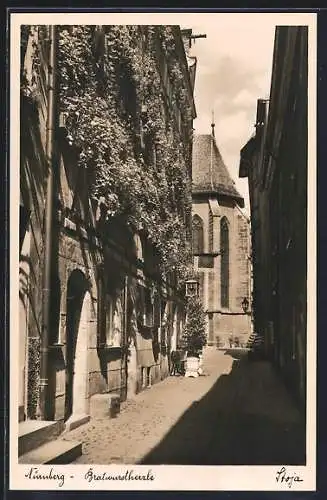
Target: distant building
x=275, y=162
x=221, y=244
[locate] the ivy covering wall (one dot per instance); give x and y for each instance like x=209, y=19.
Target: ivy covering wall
x=123, y=124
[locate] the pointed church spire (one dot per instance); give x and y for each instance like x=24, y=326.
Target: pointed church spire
x=213, y=124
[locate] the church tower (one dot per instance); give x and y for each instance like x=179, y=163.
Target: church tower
x=221, y=245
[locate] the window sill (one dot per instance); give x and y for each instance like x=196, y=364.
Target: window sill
x=56, y=345
x=110, y=346
x=225, y=310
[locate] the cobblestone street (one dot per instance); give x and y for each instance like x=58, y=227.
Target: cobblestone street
x=237, y=413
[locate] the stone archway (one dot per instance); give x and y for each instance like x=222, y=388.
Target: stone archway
x=77, y=329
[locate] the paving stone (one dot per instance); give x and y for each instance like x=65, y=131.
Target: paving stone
x=240, y=413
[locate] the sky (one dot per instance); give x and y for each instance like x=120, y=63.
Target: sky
x=233, y=70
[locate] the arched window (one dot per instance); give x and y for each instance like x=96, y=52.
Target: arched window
x=197, y=234
x=210, y=232
x=224, y=273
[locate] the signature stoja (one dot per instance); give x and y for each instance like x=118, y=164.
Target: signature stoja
x=283, y=476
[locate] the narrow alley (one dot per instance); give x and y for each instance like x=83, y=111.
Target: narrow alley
x=150, y=235
x=237, y=413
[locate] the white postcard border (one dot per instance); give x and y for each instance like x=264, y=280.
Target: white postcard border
x=242, y=478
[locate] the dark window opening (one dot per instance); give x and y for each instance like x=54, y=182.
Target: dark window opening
x=224, y=275
x=210, y=232
x=197, y=233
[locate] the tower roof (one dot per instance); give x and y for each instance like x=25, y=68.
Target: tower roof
x=209, y=172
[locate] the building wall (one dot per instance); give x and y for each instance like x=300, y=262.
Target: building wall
x=85, y=249
x=33, y=169
x=289, y=187
x=108, y=370
x=278, y=194
x=292, y=237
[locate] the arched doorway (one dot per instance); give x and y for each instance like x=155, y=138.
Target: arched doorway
x=77, y=322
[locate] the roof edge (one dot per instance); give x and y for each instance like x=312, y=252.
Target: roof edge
x=238, y=198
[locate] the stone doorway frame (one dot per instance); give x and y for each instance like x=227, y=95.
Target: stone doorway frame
x=78, y=315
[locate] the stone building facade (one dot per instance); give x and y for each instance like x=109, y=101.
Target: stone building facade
x=221, y=245
x=275, y=162
x=114, y=316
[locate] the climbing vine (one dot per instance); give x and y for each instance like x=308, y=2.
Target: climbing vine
x=123, y=125
x=29, y=72
x=111, y=94
x=33, y=376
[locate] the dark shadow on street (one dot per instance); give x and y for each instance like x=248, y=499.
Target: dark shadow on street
x=230, y=425
x=236, y=353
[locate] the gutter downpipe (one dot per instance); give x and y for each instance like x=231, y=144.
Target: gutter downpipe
x=50, y=138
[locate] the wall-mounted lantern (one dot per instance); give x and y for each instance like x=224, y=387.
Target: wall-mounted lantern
x=191, y=288
x=245, y=305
